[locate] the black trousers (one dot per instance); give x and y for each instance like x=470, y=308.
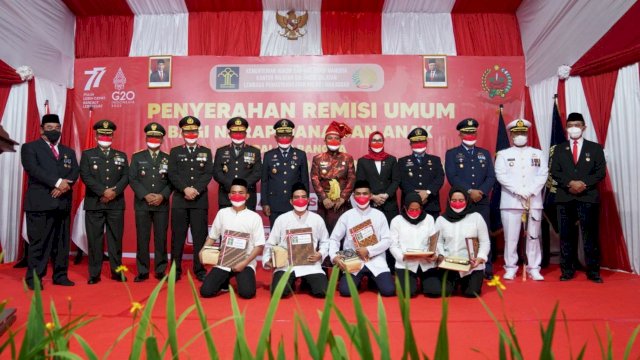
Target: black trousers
x=160, y=221
x=317, y=284
x=470, y=285
x=384, y=282
x=48, y=233
x=181, y=219
x=97, y=222
x=216, y=278
x=587, y=214
x=413, y=279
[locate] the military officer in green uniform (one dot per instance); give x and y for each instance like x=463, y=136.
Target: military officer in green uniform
x=149, y=179
x=189, y=174
x=237, y=160
x=105, y=172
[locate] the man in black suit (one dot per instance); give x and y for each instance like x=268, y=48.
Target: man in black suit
x=190, y=170
x=105, y=172
x=148, y=176
x=52, y=168
x=578, y=166
x=422, y=173
x=161, y=74
x=433, y=74
x=281, y=168
x=237, y=160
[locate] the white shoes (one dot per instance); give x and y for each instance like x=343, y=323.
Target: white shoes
x=534, y=274
x=511, y=274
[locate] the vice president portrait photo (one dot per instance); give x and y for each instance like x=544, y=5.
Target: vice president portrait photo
x=434, y=70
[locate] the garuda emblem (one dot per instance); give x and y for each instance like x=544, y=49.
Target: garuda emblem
x=292, y=25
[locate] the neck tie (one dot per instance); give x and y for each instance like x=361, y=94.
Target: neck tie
x=433, y=75
x=161, y=75
x=154, y=155
x=55, y=152
x=105, y=152
x=285, y=153
x=575, y=151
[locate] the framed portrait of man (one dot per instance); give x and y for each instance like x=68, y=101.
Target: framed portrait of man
x=434, y=71
x=160, y=71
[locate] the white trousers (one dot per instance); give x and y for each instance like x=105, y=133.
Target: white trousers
x=512, y=223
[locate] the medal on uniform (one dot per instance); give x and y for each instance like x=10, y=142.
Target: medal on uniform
x=461, y=166
x=274, y=170
x=588, y=156
x=410, y=173
x=295, y=157
x=293, y=166
x=201, y=164
x=95, y=167
x=142, y=173
x=324, y=171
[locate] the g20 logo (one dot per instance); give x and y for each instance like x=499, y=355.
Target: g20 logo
x=123, y=95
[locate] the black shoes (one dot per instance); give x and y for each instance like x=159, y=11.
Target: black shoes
x=141, y=277
x=595, y=278
x=63, y=282
x=93, y=280
x=567, y=277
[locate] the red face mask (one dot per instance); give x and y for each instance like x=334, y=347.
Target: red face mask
x=470, y=137
x=414, y=213
x=376, y=145
x=362, y=199
x=284, y=140
x=154, y=140
x=104, y=138
x=191, y=136
x=333, y=142
x=237, y=197
x=458, y=205
x=300, y=202
x=419, y=145
x=237, y=135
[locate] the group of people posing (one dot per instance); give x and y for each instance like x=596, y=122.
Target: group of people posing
x=360, y=225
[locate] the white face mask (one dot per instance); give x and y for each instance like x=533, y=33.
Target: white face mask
x=520, y=140
x=469, y=142
x=458, y=210
x=377, y=150
x=362, y=206
x=333, y=147
x=574, y=132
x=237, y=142
x=300, y=208
x=153, y=145
x=238, y=203
x=284, y=146
x=104, y=144
x=419, y=150
x=191, y=141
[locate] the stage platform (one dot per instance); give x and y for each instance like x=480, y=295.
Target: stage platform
x=472, y=334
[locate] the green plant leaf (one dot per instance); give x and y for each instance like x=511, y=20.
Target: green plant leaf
x=172, y=328
x=323, y=333
x=281, y=355
x=410, y=348
x=365, y=350
x=211, y=347
x=348, y=327
x=338, y=347
x=382, y=335
x=582, y=351
x=271, y=312
x=314, y=352
x=632, y=339
x=145, y=320
x=242, y=348
x=442, y=344
x=91, y=355
x=151, y=345
x=547, y=338
x=35, y=324
x=64, y=355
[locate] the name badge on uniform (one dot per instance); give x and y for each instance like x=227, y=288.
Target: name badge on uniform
x=118, y=160
x=511, y=162
x=249, y=157
x=481, y=157
x=66, y=161
x=164, y=168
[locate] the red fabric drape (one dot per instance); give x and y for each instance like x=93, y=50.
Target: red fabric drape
x=223, y=5
x=599, y=91
x=493, y=6
x=8, y=75
x=482, y=34
x=617, y=48
x=562, y=101
x=98, y=7
x=534, y=140
x=103, y=36
x=218, y=33
x=351, y=27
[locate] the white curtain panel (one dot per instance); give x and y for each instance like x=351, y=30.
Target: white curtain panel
x=14, y=121
x=55, y=93
x=624, y=162
x=157, y=7
x=577, y=102
x=560, y=31
x=79, y=231
x=424, y=6
x=39, y=34
x=273, y=43
x=165, y=34
x=407, y=33
x=542, y=104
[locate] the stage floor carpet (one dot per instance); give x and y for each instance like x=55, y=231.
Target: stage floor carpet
x=588, y=308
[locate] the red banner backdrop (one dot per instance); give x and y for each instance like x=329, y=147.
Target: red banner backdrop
x=368, y=92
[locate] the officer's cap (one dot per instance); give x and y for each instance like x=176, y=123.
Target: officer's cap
x=468, y=125
x=284, y=127
x=154, y=129
x=104, y=127
x=189, y=123
x=237, y=124
x=519, y=125
x=418, y=134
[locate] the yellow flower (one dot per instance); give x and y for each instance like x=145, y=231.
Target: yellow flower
x=135, y=307
x=122, y=268
x=496, y=282
x=49, y=326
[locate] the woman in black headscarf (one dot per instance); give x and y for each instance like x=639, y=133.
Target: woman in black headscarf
x=458, y=230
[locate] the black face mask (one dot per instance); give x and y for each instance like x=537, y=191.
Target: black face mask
x=52, y=135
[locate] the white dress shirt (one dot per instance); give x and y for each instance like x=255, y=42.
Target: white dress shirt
x=377, y=262
x=522, y=171
x=405, y=235
x=452, y=238
x=290, y=221
x=245, y=221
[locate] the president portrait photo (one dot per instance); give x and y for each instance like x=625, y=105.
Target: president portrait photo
x=160, y=71
x=434, y=70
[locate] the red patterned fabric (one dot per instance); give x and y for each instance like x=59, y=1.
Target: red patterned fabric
x=486, y=34
x=223, y=5
x=351, y=27
x=8, y=75
x=599, y=91
x=619, y=47
x=82, y=8
x=103, y=36
x=493, y=6
x=534, y=140
x=562, y=102
x=219, y=33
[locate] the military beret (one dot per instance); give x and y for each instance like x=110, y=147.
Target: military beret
x=284, y=126
x=154, y=129
x=418, y=134
x=468, y=125
x=105, y=127
x=519, y=125
x=189, y=123
x=237, y=124
x=50, y=118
